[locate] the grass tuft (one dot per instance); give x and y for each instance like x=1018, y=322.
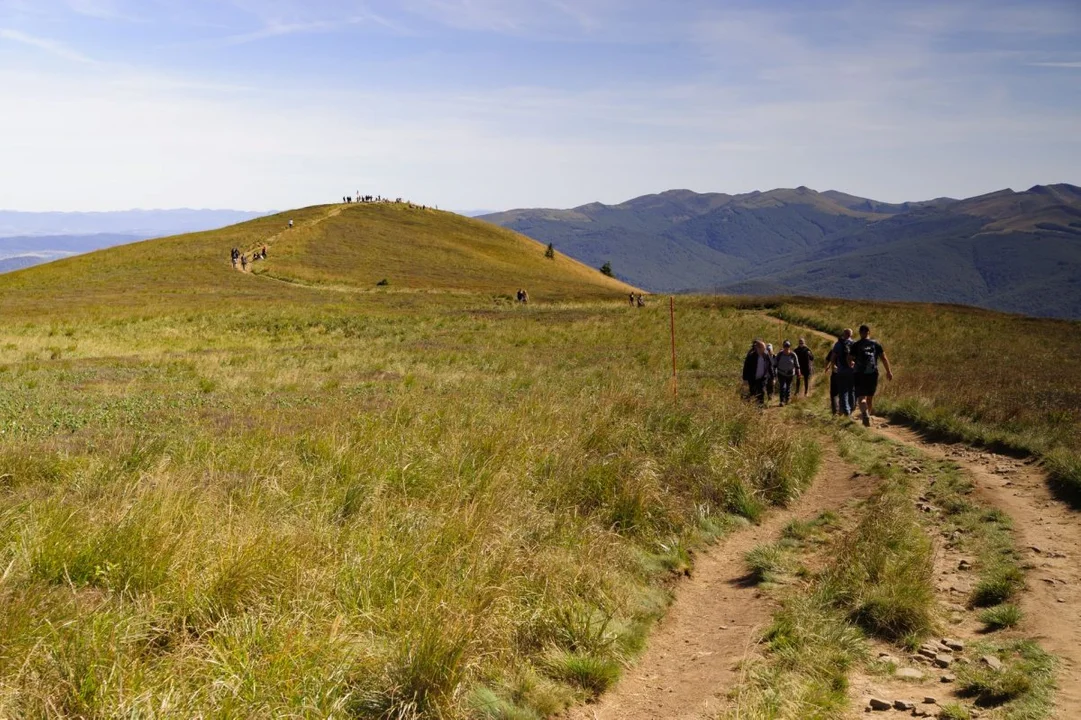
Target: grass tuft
x=590, y=673
x=1000, y=583
x=1025, y=683
x=766, y=563
x=1000, y=617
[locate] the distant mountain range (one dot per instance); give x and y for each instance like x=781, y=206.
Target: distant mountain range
x=1012, y=251
x=30, y=238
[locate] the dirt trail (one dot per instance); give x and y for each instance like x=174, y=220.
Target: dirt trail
x=692, y=659
x=269, y=242
x=1049, y=533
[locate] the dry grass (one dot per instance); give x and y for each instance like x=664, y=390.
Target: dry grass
x=386, y=506
x=1002, y=381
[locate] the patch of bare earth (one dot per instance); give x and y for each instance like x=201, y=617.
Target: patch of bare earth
x=1047, y=531
x=694, y=654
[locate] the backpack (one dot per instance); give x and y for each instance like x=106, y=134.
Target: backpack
x=866, y=357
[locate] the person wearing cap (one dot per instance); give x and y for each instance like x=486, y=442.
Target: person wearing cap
x=866, y=353
x=787, y=364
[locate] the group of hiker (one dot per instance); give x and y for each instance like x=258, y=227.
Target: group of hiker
x=523, y=296
x=358, y=198
x=766, y=372
x=851, y=364
x=241, y=259
x=636, y=300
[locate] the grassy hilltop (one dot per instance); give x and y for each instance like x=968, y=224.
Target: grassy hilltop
x=351, y=247
x=225, y=495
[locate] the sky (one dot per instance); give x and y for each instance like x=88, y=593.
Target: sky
x=495, y=104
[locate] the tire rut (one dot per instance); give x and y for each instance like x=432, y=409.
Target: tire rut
x=693, y=656
x=1048, y=532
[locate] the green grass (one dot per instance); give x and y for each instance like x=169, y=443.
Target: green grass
x=361, y=504
x=1023, y=688
x=766, y=563
x=954, y=711
x=999, y=584
x=1001, y=617
x=966, y=375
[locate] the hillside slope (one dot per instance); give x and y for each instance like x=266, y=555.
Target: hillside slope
x=345, y=247
x=1013, y=251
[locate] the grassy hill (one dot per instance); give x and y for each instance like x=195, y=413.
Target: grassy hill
x=290, y=494
x=352, y=247
x=1013, y=251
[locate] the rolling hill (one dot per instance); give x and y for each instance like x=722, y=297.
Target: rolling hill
x=1013, y=251
x=348, y=248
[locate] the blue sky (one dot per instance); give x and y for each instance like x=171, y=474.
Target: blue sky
x=258, y=104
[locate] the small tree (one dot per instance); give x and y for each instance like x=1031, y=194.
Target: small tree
x=550, y=253
x=606, y=269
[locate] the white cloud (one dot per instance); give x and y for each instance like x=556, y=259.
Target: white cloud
x=51, y=47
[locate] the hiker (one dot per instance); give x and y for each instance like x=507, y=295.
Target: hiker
x=631, y=296
x=771, y=382
x=638, y=300
x=262, y=253
x=290, y=224
x=841, y=382
x=525, y=297
x=244, y=263
x=757, y=371
x=787, y=363
x=865, y=354
x=806, y=366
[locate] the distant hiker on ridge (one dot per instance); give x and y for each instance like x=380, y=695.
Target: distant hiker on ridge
x=806, y=366
x=632, y=299
x=866, y=353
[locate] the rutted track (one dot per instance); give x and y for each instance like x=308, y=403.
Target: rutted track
x=693, y=656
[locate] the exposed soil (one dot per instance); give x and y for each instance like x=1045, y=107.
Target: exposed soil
x=1047, y=531
x=693, y=657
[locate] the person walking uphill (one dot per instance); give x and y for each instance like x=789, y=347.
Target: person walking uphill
x=865, y=355
x=841, y=382
x=757, y=371
x=806, y=366
x=787, y=364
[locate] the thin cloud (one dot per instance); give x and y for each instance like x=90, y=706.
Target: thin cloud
x=1056, y=64
x=52, y=47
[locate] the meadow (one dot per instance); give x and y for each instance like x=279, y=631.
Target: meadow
x=965, y=374
x=307, y=503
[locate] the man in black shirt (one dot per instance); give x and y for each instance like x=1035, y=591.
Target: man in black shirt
x=806, y=366
x=866, y=354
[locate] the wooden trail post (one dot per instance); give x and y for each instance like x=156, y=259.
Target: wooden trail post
x=672, y=318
